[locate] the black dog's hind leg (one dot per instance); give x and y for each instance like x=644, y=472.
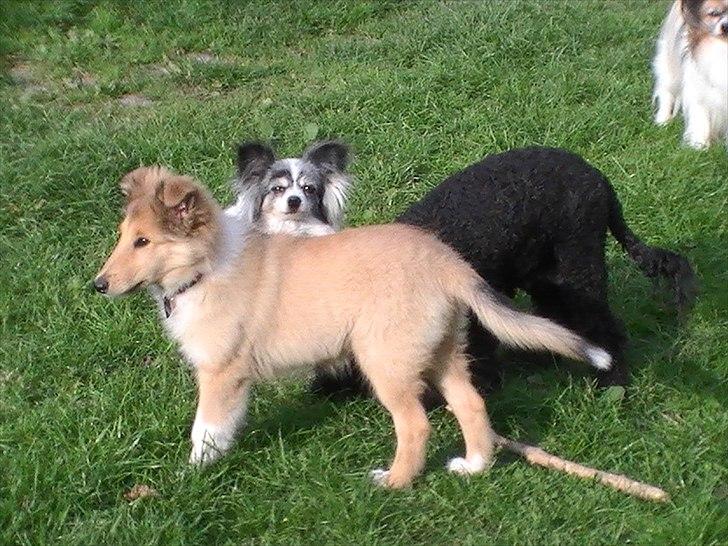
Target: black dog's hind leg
x=575, y=296
x=591, y=319
x=347, y=382
x=485, y=368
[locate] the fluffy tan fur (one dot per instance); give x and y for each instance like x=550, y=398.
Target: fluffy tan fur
x=246, y=306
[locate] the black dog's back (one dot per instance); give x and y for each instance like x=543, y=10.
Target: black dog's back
x=506, y=213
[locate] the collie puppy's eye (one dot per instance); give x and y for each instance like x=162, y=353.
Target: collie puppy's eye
x=140, y=242
x=309, y=189
x=278, y=189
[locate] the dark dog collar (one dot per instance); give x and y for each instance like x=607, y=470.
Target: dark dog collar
x=168, y=301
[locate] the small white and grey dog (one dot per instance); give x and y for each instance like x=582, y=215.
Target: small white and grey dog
x=691, y=70
x=300, y=196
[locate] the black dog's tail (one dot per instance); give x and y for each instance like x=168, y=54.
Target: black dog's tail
x=654, y=262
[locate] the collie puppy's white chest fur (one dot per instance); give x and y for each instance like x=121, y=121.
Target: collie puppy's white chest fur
x=189, y=327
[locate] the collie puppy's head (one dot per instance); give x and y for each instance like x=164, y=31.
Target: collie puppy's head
x=706, y=18
x=169, y=232
x=312, y=187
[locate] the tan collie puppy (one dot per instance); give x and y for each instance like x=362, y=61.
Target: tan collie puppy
x=246, y=306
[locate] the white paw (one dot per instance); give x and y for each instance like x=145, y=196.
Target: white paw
x=466, y=467
x=697, y=143
x=204, y=454
x=379, y=476
x=209, y=442
x=663, y=116
x=667, y=107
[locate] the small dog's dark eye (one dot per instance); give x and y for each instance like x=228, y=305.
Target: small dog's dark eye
x=308, y=189
x=140, y=242
x=278, y=189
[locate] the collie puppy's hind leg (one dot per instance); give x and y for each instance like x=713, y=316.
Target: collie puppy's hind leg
x=469, y=409
x=399, y=392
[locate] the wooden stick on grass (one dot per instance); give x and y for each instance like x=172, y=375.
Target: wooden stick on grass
x=537, y=456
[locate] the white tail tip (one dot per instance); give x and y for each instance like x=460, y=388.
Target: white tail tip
x=599, y=358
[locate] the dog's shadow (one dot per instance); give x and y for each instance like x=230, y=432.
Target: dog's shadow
x=287, y=417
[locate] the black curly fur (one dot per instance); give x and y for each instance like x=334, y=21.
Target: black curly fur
x=536, y=219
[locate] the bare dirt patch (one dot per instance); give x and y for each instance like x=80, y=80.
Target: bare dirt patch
x=81, y=79
x=21, y=73
x=134, y=100
x=204, y=57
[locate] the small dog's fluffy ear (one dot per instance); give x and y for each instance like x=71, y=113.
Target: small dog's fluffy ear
x=142, y=181
x=691, y=12
x=329, y=153
x=181, y=204
x=253, y=161
x=332, y=156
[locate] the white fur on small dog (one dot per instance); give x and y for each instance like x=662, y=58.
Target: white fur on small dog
x=335, y=199
x=305, y=227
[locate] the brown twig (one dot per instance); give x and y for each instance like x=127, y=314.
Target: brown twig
x=537, y=456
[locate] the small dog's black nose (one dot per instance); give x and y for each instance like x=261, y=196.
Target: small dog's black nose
x=724, y=27
x=101, y=285
x=294, y=202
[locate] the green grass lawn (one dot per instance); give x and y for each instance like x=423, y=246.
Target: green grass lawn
x=94, y=398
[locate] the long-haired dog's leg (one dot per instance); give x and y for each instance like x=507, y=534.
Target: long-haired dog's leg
x=697, y=116
x=667, y=69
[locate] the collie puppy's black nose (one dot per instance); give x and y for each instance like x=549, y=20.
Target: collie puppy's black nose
x=294, y=202
x=101, y=285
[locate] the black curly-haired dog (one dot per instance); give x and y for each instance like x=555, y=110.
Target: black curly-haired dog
x=536, y=219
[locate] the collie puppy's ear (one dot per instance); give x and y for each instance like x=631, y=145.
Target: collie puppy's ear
x=332, y=157
x=142, y=181
x=253, y=161
x=182, y=205
x=329, y=153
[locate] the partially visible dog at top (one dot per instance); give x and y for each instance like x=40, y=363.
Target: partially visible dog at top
x=691, y=70
x=299, y=196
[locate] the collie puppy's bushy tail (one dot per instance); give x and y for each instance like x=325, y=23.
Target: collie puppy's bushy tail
x=525, y=331
x=654, y=262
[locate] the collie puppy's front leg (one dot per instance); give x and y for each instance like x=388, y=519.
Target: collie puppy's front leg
x=222, y=403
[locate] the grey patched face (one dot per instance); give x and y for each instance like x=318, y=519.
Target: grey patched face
x=288, y=193
x=711, y=15
x=294, y=189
